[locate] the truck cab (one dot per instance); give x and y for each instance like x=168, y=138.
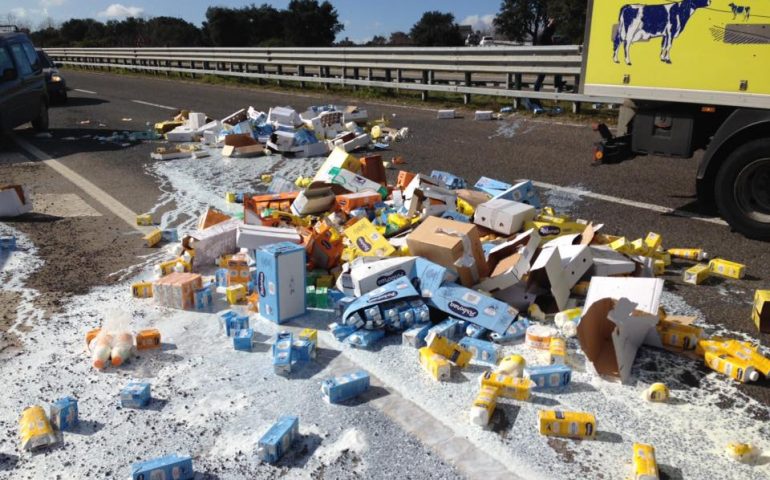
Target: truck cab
x=23, y=94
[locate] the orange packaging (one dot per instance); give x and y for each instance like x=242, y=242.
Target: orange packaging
x=350, y=201
x=237, y=270
x=147, y=339
x=404, y=178
x=373, y=168
x=327, y=248
x=177, y=290
x=253, y=206
x=91, y=334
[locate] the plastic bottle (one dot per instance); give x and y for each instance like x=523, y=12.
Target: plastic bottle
x=121, y=348
x=100, y=350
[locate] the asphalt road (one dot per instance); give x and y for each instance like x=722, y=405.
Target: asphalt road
x=82, y=252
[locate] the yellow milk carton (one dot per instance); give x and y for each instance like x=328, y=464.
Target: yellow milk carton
x=697, y=274
x=367, y=241
x=35, y=430
x=734, y=368
x=622, y=245
x=556, y=423
x=309, y=334
x=694, y=254
x=645, y=466
x=483, y=406
x=142, y=289
x=557, y=351
x=507, y=386
x=653, y=241
x=677, y=335
x=727, y=269
x=235, y=293
x=436, y=365
x=144, y=219
x=761, y=311
x=749, y=354
x=153, y=238
x=448, y=349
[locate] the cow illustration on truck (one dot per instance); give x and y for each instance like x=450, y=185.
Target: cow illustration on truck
x=639, y=23
x=714, y=97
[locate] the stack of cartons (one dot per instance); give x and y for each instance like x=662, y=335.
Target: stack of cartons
x=177, y=290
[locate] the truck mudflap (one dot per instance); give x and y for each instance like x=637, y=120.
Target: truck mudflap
x=611, y=148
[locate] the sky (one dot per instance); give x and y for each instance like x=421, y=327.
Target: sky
x=362, y=18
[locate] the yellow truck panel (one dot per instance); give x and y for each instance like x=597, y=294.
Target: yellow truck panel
x=694, y=51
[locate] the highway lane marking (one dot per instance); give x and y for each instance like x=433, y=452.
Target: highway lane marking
x=84, y=91
x=105, y=199
x=154, y=105
x=631, y=203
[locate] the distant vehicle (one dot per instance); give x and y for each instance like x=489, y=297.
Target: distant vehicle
x=23, y=96
x=57, y=87
x=487, y=42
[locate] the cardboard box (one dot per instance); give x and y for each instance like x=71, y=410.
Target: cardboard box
x=355, y=183
x=284, y=116
x=522, y=192
x=453, y=245
x=696, y=274
x=466, y=304
x=510, y=261
x=491, y=186
x=339, y=158
x=404, y=178
x=727, y=269
x=399, y=289
x=451, y=181
x=281, y=281
x=373, y=168
x=177, y=290
x=312, y=200
x=351, y=201
x=212, y=242
x=761, y=311
x=253, y=206
x=64, y=414
x=369, y=276
x=445, y=114
x=367, y=241
x=254, y=236
x=427, y=276
x=483, y=115
x=559, y=268
x=503, y=216
x=607, y=262
x=148, y=339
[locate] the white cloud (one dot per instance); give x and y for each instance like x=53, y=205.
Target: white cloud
x=19, y=12
x=479, y=22
x=118, y=10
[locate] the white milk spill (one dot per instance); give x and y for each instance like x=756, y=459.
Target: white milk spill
x=214, y=403
x=15, y=268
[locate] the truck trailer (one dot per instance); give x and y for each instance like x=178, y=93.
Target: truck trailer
x=693, y=74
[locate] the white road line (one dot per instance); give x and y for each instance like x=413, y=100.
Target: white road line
x=102, y=197
x=154, y=105
x=84, y=91
x=631, y=203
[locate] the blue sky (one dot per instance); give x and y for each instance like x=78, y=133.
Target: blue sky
x=362, y=18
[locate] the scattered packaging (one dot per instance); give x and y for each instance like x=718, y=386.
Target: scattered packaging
x=367, y=241
x=557, y=351
x=34, y=429
x=448, y=349
x=274, y=444
x=695, y=254
x=481, y=350
x=645, y=466
x=508, y=386
x=253, y=237
x=148, y=339
x=142, y=290
x=467, y=304
x=177, y=290
x=415, y=336
x=282, y=353
x=64, y=414
x=281, y=281
x=436, y=365
x=512, y=365
x=172, y=467
x=727, y=269
x=555, y=423
x=483, y=406
x=539, y=337
x=445, y=114
x=760, y=314
x=135, y=395
x=657, y=392
x=697, y=274
x=503, y=216
x=364, y=338
x=345, y=387
x=733, y=367
x=367, y=276
x=483, y=115
x=743, y=452
x=243, y=340
x=549, y=376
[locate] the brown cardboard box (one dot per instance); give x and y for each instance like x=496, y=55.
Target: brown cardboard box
x=761, y=311
x=373, y=168
x=429, y=242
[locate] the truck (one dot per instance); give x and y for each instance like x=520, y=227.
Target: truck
x=692, y=75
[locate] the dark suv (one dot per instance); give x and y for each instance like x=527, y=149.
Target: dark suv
x=23, y=95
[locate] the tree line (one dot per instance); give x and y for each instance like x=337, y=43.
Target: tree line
x=307, y=23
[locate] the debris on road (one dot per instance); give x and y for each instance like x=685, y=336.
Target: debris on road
x=14, y=201
x=35, y=430
x=172, y=466
x=277, y=441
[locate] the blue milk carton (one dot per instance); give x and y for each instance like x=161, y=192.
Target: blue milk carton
x=282, y=353
x=135, y=395
x=171, y=467
x=342, y=304
x=170, y=235
x=364, y=338
x=492, y=186
x=517, y=330
x=452, y=181
x=303, y=351
x=64, y=414
x=341, y=332
x=236, y=322
x=549, y=376
x=415, y=336
x=204, y=297
x=483, y=351
x=281, y=281
x=427, y=276
x=449, y=328
x=522, y=192
x=276, y=442
x=399, y=289
x=345, y=387
x=243, y=339
x=220, y=276
x=8, y=242
x=469, y=305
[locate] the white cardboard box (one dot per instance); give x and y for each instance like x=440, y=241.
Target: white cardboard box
x=12, y=204
x=608, y=262
x=445, y=114
x=254, y=236
x=368, y=276
x=483, y=115
x=504, y=216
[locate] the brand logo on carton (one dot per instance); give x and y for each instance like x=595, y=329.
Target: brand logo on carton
x=326, y=245
x=363, y=245
x=383, y=297
x=462, y=310
x=389, y=278
x=261, y=284
x=549, y=230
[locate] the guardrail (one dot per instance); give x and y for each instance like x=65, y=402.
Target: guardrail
x=496, y=71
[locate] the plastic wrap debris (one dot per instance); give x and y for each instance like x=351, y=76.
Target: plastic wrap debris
x=14, y=201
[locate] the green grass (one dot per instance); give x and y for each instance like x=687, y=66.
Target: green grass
x=405, y=97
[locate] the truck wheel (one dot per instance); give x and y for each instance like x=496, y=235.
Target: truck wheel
x=41, y=122
x=742, y=191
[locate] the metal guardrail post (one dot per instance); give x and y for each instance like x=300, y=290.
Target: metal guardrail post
x=468, y=83
x=301, y=74
x=279, y=71
x=425, y=79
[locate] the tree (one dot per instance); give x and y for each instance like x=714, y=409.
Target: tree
x=399, y=39
x=226, y=27
x=310, y=24
x=377, y=41
x=171, y=32
x=521, y=20
x=571, y=18
x=436, y=29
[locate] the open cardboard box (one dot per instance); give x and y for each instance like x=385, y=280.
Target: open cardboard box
x=510, y=261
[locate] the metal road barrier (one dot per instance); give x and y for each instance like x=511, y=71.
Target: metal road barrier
x=495, y=71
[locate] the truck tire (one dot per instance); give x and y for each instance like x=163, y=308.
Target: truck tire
x=742, y=189
x=41, y=122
